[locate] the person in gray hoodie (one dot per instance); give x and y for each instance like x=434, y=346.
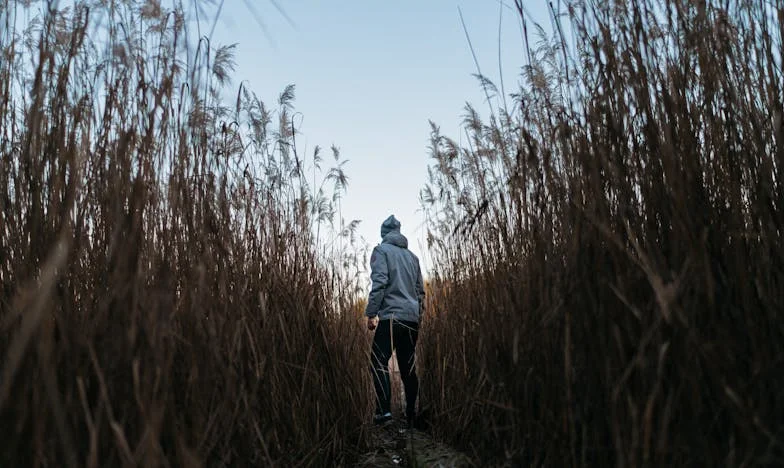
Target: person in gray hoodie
x=394, y=308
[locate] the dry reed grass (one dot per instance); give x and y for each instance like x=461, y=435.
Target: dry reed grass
x=608, y=248
x=166, y=296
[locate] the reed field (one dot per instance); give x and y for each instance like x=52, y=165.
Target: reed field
x=608, y=252
x=178, y=286
x=169, y=261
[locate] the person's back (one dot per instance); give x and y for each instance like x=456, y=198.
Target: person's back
x=397, y=269
x=394, y=306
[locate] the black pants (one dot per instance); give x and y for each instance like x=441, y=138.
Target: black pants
x=401, y=338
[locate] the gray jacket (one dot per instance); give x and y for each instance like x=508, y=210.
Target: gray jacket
x=398, y=291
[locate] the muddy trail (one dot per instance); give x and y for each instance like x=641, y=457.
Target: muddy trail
x=394, y=446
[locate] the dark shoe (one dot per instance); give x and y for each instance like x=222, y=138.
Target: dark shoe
x=382, y=418
x=410, y=422
x=418, y=422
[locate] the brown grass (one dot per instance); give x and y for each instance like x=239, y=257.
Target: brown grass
x=165, y=298
x=609, y=246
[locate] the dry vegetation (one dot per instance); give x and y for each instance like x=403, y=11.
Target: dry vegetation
x=166, y=299
x=608, y=245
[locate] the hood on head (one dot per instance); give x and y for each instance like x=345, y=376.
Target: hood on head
x=395, y=238
x=390, y=224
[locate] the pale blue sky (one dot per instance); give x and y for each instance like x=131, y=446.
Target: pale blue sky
x=368, y=75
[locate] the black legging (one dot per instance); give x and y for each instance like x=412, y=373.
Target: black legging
x=402, y=339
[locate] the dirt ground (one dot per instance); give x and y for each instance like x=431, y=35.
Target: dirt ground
x=394, y=446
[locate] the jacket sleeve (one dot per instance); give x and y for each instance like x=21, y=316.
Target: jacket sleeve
x=379, y=275
x=420, y=288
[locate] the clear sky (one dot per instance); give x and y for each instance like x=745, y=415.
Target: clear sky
x=369, y=75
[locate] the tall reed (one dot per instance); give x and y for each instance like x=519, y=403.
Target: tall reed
x=608, y=247
x=167, y=298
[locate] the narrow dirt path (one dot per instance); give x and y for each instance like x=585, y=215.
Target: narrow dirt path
x=395, y=447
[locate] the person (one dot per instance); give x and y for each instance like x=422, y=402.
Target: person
x=394, y=307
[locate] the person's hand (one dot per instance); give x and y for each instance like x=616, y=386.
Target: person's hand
x=372, y=323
